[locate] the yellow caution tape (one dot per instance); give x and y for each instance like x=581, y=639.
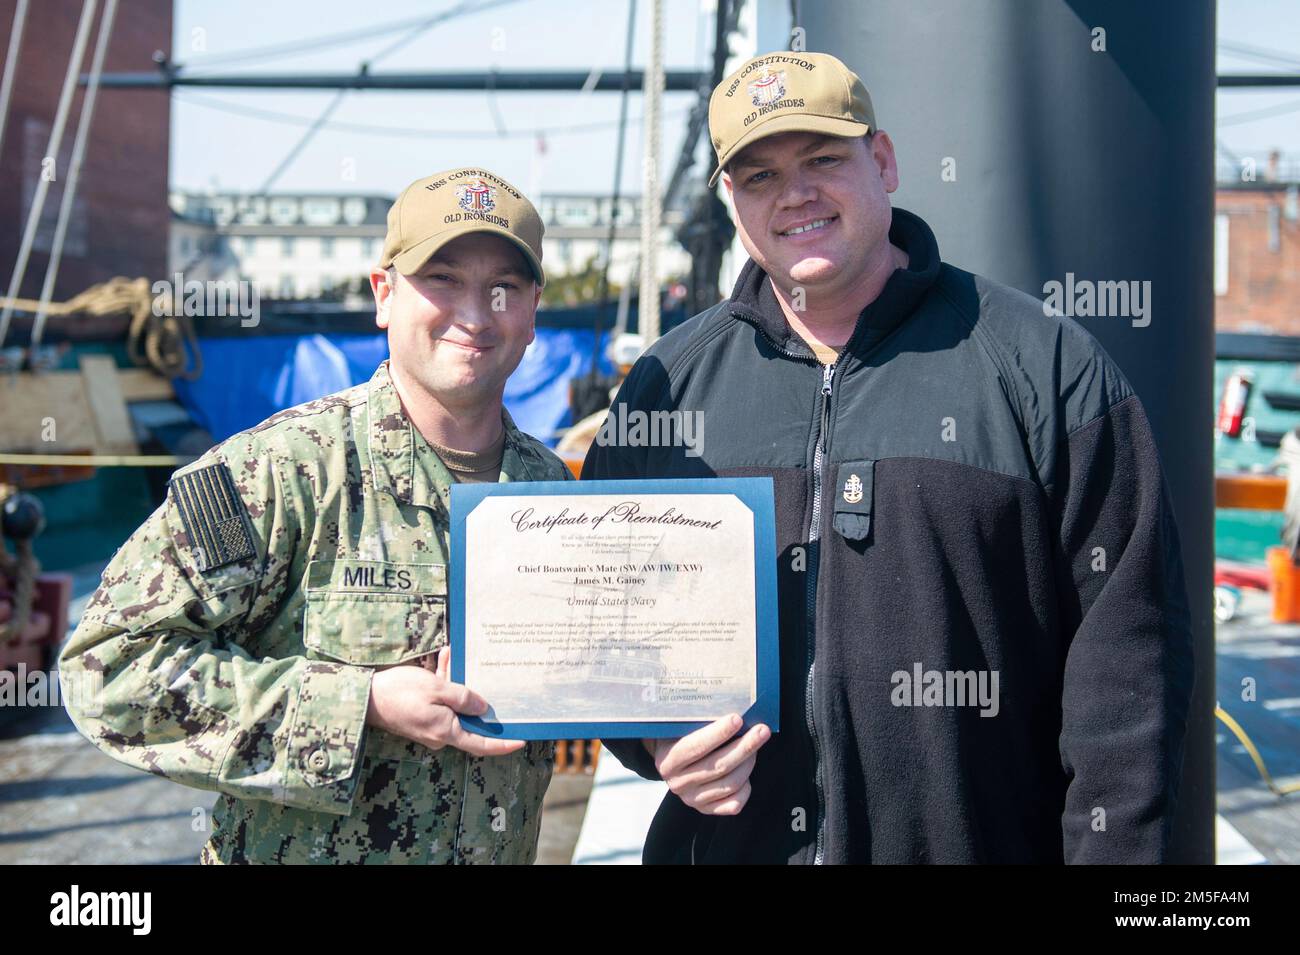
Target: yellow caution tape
x=97, y=460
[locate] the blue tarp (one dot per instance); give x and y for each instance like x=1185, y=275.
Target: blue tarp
x=246, y=380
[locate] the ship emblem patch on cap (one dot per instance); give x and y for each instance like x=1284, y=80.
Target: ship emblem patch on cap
x=853, y=489
x=477, y=196
x=768, y=88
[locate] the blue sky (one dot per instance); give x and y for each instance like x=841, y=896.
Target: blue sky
x=217, y=143
x=1275, y=26
x=212, y=147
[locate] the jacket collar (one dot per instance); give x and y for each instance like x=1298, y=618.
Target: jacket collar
x=404, y=464
x=753, y=300
x=518, y=461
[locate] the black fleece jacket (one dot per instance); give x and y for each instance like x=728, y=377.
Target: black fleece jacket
x=973, y=490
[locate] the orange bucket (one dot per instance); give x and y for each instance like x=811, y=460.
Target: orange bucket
x=1285, y=587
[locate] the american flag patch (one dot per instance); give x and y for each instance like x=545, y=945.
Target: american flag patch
x=216, y=520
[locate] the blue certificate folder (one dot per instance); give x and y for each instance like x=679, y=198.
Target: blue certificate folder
x=754, y=493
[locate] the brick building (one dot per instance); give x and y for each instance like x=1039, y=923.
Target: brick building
x=1257, y=257
x=120, y=219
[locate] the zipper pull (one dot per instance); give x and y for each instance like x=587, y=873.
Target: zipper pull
x=827, y=372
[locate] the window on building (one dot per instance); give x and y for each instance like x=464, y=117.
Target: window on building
x=1221, y=254
x=327, y=247
x=283, y=210
x=320, y=210
x=286, y=286
x=577, y=212
x=286, y=247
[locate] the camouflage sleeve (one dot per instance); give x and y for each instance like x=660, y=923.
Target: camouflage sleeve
x=559, y=466
x=553, y=467
x=170, y=643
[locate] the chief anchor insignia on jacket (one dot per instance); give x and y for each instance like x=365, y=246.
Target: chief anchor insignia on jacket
x=255, y=634
x=963, y=485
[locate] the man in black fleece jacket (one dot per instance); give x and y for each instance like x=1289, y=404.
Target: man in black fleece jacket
x=984, y=641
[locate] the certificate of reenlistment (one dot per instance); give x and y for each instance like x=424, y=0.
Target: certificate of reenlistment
x=614, y=608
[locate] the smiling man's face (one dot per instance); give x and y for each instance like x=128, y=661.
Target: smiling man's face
x=459, y=326
x=813, y=210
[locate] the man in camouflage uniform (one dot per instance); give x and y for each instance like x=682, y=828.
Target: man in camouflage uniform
x=271, y=631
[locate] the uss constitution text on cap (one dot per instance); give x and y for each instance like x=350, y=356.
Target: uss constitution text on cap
x=786, y=93
x=433, y=211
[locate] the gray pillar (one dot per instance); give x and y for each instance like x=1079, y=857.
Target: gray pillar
x=1070, y=159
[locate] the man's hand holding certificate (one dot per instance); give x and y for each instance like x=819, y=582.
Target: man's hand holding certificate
x=615, y=608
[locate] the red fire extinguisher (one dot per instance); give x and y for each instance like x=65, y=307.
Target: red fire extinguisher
x=1232, y=406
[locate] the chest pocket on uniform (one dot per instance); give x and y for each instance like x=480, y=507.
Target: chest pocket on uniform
x=854, y=488
x=374, y=612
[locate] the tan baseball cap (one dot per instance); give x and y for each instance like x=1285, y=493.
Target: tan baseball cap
x=786, y=93
x=432, y=211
